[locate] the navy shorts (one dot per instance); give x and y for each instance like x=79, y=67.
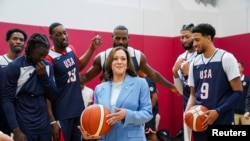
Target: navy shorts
x=152, y=123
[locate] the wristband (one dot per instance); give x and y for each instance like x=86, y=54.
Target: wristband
x=53, y=122
x=1, y=132
x=218, y=111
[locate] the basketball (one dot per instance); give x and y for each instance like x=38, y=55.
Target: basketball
x=194, y=117
x=93, y=120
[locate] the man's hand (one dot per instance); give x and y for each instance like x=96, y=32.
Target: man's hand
x=19, y=135
x=177, y=66
x=247, y=115
x=96, y=42
x=86, y=135
x=185, y=68
x=174, y=90
x=55, y=131
x=212, y=115
x=40, y=68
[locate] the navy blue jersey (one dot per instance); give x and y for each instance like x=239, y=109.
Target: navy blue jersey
x=240, y=106
x=211, y=81
x=4, y=127
x=69, y=103
x=24, y=96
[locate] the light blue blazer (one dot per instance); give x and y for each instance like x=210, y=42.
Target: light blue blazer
x=135, y=98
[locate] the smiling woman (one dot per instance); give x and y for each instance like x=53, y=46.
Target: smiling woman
x=129, y=102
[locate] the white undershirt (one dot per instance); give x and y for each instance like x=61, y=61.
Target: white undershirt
x=115, y=92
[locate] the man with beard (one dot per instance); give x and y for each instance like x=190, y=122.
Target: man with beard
x=16, y=39
x=65, y=111
x=181, y=68
x=120, y=37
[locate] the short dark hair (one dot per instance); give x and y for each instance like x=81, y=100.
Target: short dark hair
x=13, y=30
x=187, y=27
x=120, y=27
x=205, y=29
x=36, y=40
x=52, y=26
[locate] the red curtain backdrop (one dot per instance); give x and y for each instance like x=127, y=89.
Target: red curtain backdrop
x=161, y=53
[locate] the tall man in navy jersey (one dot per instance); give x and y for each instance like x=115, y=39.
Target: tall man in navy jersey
x=214, y=80
x=67, y=108
x=16, y=39
x=120, y=38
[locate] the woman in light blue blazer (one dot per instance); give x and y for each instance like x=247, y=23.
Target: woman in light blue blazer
x=126, y=96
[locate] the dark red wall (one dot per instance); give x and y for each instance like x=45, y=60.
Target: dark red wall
x=161, y=53
x=239, y=45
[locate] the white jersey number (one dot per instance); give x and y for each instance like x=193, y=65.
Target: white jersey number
x=204, y=90
x=72, y=75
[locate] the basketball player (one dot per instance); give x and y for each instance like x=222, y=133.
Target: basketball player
x=66, y=110
x=239, y=108
x=16, y=39
x=29, y=80
x=214, y=80
x=120, y=38
x=181, y=68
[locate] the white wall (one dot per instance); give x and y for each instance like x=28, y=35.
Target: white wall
x=148, y=17
x=234, y=16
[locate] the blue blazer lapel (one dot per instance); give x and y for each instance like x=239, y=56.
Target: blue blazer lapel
x=126, y=90
x=105, y=95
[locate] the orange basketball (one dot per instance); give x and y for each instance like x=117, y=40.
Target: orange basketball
x=194, y=117
x=93, y=120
